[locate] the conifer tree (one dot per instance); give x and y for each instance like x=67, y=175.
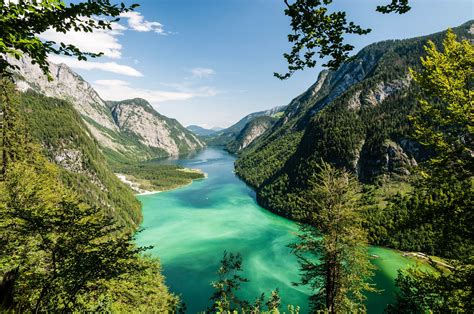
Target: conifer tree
x=332, y=246
x=445, y=119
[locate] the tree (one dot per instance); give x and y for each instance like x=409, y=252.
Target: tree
x=225, y=300
x=445, y=120
x=317, y=30
x=21, y=22
x=444, y=123
x=332, y=246
x=224, y=297
x=436, y=291
x=62, y=248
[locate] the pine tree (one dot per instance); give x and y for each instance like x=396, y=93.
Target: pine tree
x=332, y=246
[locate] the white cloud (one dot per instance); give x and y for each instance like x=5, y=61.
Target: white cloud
x=118, y=90
x=202, y=72
x=137, y=22
x=104, y=41
x=92, y=65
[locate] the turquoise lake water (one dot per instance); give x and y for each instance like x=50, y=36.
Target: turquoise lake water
x=192, y=226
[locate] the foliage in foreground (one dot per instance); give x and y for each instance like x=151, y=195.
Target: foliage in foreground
x=445, y=124
x=318, y=32
x=438, y=291
x=225, y=299
x=58, y=253
x=22, y=21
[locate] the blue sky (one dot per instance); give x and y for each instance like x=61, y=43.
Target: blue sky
x=210, y=62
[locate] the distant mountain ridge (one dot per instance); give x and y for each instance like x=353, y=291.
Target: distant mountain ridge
x=200, y=131
x=144, y=135
x=232, y=137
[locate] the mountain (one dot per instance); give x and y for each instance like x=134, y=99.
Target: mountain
x=252, y=130
x=355, y=118
x=83, y=134
x=200, y=131
x=158, y=135
x=228, y=136
x=134, y=139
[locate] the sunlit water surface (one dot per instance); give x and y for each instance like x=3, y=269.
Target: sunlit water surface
x=191, y=227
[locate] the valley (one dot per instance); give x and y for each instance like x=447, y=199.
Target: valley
x=221, y=214
x=119, y=193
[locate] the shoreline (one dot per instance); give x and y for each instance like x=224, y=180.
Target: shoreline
x=418, y=256
x=134, y=185
x=147, y=193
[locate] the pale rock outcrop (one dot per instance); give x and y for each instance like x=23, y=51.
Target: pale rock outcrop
x=252, y=134
x=384, y=89
x=137, y=116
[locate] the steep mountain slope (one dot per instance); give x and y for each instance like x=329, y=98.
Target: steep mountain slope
x=117, y=142
x=252, y=130
x=68, y=142
x=227, y=136
x=355, y=117
x=160, y=136
x=200, y=131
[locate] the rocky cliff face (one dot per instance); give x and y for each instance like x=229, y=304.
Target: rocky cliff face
x=66, y=85
x=137, y=134
x=252, y=130
x=137, y=117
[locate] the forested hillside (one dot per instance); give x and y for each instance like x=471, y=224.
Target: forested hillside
x=66, y=141
x=66, y=221
x=356, y=118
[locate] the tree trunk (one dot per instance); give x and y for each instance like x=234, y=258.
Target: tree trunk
x=4, y=134
x=7, y=288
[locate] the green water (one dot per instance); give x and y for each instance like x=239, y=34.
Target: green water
x=192, y=226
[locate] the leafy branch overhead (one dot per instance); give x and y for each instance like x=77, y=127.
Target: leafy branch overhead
x=22, y=21
x=319, y=33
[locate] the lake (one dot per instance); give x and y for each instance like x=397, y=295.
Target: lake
x=191, y=227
